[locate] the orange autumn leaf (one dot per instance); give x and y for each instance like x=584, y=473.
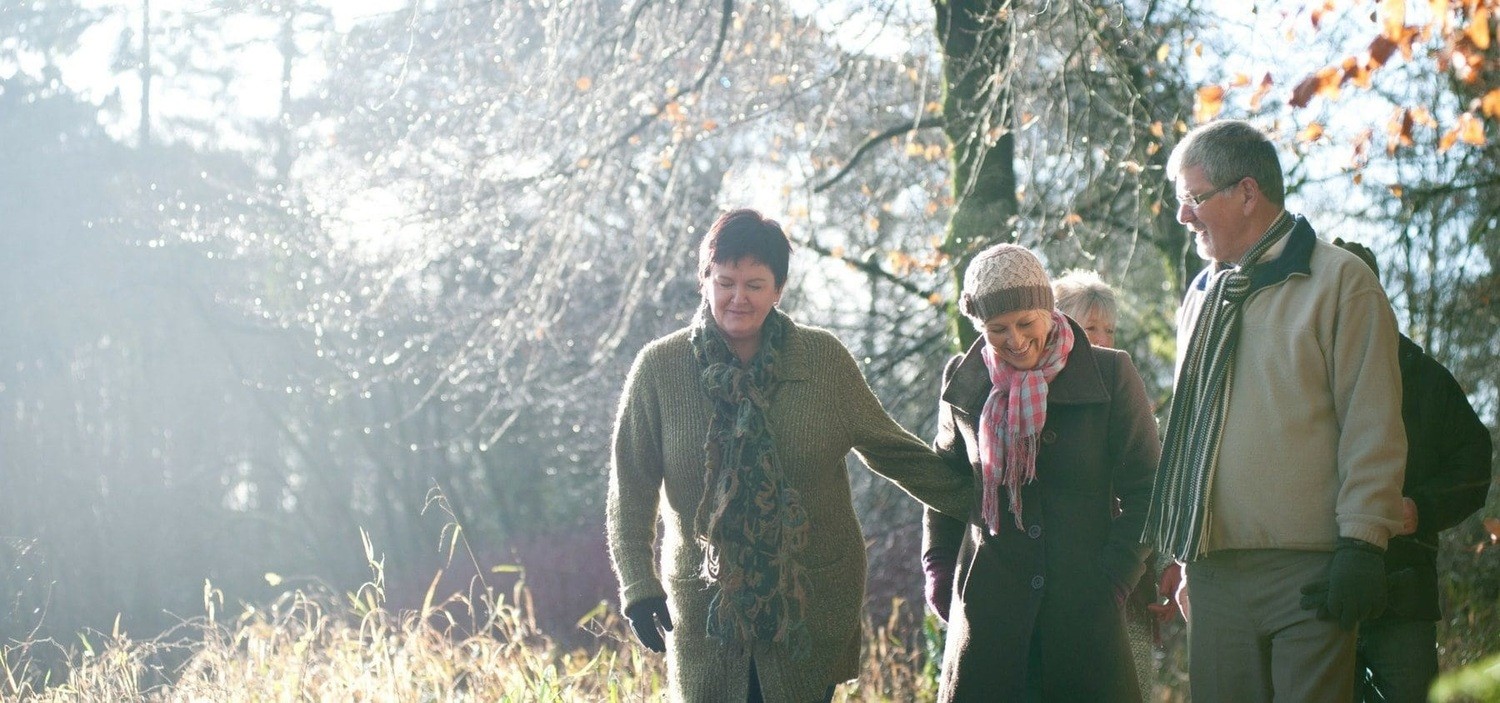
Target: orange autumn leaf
x=1399, y=129
x=1360, y=76
x=1325, y=83
x=1239, y=80
x=1156, y=129
x=1361, y=151
x=1471, y=129
x=1392, y=15
x=1438, y=10
x=1490, y=104
x=1304, y=92
x=1479, y=27
x=1423, y=116
x=1393, y=125
x=1329, y=79
x=1260, y=92
x=1310, y=133
x=583, y=84
x=1448, y=139
x=1208, y=103
x=1381, y=48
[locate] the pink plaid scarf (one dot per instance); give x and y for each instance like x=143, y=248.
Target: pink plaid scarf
x=1012, y=421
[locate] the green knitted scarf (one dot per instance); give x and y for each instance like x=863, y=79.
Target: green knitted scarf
x=750, y=522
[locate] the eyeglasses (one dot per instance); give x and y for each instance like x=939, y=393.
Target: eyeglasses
x=1196, y=201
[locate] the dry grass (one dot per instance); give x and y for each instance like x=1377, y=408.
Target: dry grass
x=308, y=647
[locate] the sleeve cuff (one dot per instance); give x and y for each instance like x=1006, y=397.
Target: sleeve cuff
x=1377, y=535
x=640, y=590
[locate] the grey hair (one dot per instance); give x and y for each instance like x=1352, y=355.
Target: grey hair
x=1081, y=290
x=1227, y=150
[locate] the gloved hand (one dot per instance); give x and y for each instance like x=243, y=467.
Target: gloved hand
x=938, y=586
x=1355, y=589
x=644, y=616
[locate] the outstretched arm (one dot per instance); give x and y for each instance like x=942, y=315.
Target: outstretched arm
x=635, y=478
x=889, y=450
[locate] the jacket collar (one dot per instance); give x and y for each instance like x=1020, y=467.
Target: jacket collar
x=1295, y=258
x=1078, y=382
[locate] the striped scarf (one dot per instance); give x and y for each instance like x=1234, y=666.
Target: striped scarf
x=750, y=521
x=1177, y=519
x=1012, y=420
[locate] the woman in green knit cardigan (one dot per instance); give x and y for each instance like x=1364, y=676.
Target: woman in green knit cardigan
x=741, y=422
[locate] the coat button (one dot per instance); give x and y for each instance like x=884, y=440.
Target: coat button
x=1034, y=531
x=1048, y=436
x=1037, y=581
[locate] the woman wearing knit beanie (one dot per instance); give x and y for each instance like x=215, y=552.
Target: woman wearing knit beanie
x=1033, y=585
x=741, y=422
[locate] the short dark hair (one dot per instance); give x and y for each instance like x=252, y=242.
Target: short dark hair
x=745, y=233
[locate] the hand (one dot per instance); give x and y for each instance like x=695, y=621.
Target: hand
x=644, y=617
x=938, y=586
x=1167, y=588
x=1355, y=589
x=1408, y=516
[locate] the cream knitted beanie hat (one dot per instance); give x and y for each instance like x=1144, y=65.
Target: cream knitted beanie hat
x=1004, y=278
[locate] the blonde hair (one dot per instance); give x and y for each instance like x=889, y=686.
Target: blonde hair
x=1081, y=290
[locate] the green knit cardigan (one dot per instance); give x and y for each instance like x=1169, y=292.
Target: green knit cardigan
x=822, y=410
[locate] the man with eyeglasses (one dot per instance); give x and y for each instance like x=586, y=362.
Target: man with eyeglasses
x=1280, y=478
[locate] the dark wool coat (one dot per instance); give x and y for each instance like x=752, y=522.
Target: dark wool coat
x=1037, y=612
x=1447, y=476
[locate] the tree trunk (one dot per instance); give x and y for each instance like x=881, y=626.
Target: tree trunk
x=977, y=109
x=145, y=129
x=287, y=45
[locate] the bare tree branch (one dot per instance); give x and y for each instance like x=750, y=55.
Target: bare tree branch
x=875, y=270
x=900, y=129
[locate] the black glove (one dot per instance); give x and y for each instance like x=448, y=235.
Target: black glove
x=644, y=616
x=938, y=585
x=1355, y=589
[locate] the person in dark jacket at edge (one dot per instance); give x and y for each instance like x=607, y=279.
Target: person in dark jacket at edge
x=1448, y=462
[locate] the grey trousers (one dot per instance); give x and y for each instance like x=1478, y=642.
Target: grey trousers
x=1251, y=641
